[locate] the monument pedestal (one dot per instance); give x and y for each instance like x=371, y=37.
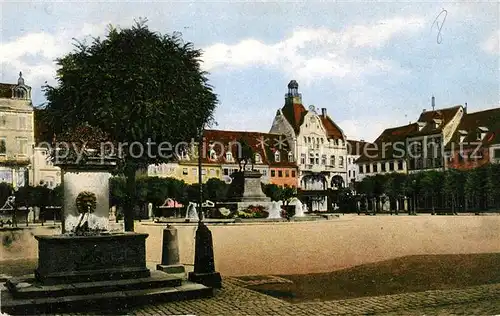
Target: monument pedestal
x=87, y=273
x=68, y=259
x=246, y=190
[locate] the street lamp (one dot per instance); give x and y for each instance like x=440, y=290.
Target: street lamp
x=414, y=182
x=200, y=177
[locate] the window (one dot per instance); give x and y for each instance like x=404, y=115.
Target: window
x=305, y=139
x=360, y=168
x=341, y=161
x=273, y=173
x=293, y=173
x=311, y=158
x=22, y=146
x=194, y=171
x=375, y=167
x=277, y=156
x=185, y=171
x=22, y=122
x=349, y=173
x=391, y=166
x=323, y=159
x=382, y=167
x=287, y=173
x=229, y=156
x=496, y=153
x=203, y=172
x=332, y=161
x=280, y=174
x=3, y=145
x=303, y=159
x=264, y=172
x=226, y=171
x=213, y=154
x=354, y=174
x=400, y=165
x=290, y=157
x=317, y=159
x=258, y=158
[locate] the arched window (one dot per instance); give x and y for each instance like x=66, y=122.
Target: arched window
x=277, y=156
x=229, y=156
x=290, y=156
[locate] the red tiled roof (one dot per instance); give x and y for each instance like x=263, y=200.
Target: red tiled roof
x=6, y=90
x=428, y=117
x=384, y=146
x=332, y=129
x=264, y=144
x=295, y=113
x=471, y=122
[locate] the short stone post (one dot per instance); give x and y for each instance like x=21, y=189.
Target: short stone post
x=150, y=210
x=204, y=266
x=170, y=253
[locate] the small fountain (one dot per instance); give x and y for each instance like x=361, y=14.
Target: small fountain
x=191, y=213
x=274, y=211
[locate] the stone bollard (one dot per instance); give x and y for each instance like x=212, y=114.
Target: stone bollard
x=170, y=253
x=204, y=266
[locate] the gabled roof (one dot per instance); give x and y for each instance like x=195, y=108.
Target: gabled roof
x=471, y=122
x=430, y=118
x=391, y=144
x=332, y=129
x=264, y=144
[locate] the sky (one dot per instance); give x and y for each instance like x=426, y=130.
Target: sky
x=372, y=65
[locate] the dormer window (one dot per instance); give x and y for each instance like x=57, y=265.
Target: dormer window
x=229, y=156
x=213, y=154
x=482, y=131
x=421, y=125
x=437, y=123
x=290, y=157
x=462, y=134
x=277, y=156
x=258, y=158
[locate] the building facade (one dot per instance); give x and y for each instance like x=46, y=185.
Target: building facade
x=354, y=150
x=476, y=141
x=318, y=143
x=16, y=132
x=425, y=147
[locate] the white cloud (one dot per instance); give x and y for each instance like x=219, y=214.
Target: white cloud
x=492, y=44
x=315, y=53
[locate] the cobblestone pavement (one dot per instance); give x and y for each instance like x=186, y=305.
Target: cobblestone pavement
x=234, y=299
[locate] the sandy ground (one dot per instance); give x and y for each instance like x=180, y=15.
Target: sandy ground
x=324, y=246
x=308, y=247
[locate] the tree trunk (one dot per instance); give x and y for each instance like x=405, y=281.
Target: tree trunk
x=128, y=216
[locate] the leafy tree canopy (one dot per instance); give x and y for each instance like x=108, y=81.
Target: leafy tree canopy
x=133, y=85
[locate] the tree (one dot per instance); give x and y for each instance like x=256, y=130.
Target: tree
x=216, y=189
x=288, y=192
x=137, y=87
x=274, y=191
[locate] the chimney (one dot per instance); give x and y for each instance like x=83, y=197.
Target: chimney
x=323, y=112
x=423, y=111
x=465, y=108
x=433, y=102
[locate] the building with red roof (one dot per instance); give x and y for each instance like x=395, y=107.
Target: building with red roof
x=318, y=143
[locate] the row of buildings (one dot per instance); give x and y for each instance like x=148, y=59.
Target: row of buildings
x=304, y=147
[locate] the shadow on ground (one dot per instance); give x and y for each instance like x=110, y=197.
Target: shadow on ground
x=401, y=275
